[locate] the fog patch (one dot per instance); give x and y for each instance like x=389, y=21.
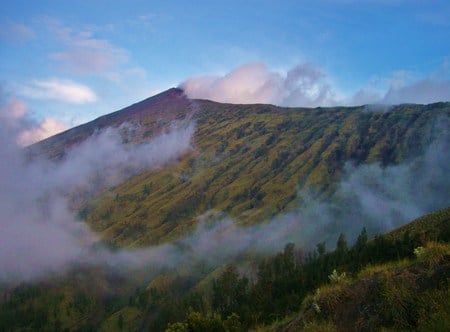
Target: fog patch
x=39, y=231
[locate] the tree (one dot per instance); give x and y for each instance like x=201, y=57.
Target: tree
x=321, y=248
x=342, y=246
x=341, y=249
x=229, y=292
x=120, y=322
x=361, y=242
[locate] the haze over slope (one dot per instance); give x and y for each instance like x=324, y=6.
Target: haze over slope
x=256, y=162
x=287, y=172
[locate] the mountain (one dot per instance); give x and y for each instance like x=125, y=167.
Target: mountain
x=249, y=161
x=300, y=175
x=153, y=113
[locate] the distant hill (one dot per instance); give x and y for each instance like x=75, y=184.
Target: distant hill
x=249, y=160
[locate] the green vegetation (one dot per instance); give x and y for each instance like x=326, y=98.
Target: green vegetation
x=251, y=160
x=397, y=281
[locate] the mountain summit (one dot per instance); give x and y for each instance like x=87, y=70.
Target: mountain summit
x=161, y=105
x=154, y=113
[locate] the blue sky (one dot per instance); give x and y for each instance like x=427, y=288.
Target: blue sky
x=67, y=62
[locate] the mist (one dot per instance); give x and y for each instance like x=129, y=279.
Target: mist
x=308, y=85
x=40, y=232
x=372, y=196
x=378, y=198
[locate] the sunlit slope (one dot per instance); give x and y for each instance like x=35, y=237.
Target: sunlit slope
x=250, y=161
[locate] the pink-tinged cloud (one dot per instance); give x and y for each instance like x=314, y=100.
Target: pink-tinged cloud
x=303, y=85
x=17, y=108
x=16, y=32
x=60, y=90
x=306, y=85
x=46, y=128
x=83, y=53
x=14, y=112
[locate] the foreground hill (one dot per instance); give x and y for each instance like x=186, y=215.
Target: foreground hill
x=249, y=161
x=397, y=281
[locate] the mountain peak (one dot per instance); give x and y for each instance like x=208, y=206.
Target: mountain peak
x=172, y=92
x=154, y=112
x=162, y=103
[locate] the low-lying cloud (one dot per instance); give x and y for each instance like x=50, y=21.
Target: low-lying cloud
x=39, y=231
x=306, y=85
x=378, y=198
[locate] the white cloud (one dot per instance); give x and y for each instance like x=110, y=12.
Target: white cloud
x=48, y=127
x=40, y=232
x=303, y=85
x=84, y=53
x=61, y=90
x=306, y=85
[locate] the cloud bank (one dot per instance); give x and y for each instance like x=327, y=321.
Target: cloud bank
x=39, y=231
x=306, y=85
x=370, y=196
x=421, y=92
x=30, y=132
x=255, y=83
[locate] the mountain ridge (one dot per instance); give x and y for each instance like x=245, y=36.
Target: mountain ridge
x=159, y=106
x=163, y=105
x=250, y=161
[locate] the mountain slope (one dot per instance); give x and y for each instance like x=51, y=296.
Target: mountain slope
x=249, y=162
x=153, y=114
x=382, y=295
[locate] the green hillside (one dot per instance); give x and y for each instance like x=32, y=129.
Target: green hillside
x=388, y=283
x=392, y=282
x=248, y=162
x=251, y=160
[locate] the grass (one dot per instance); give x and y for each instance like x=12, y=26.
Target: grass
x=408, y=294
x=250, y=161
x=405, y=295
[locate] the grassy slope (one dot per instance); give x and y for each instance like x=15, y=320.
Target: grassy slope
x=250, y=161
x=410, y=294
x=381, y=295
x=401, y=296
